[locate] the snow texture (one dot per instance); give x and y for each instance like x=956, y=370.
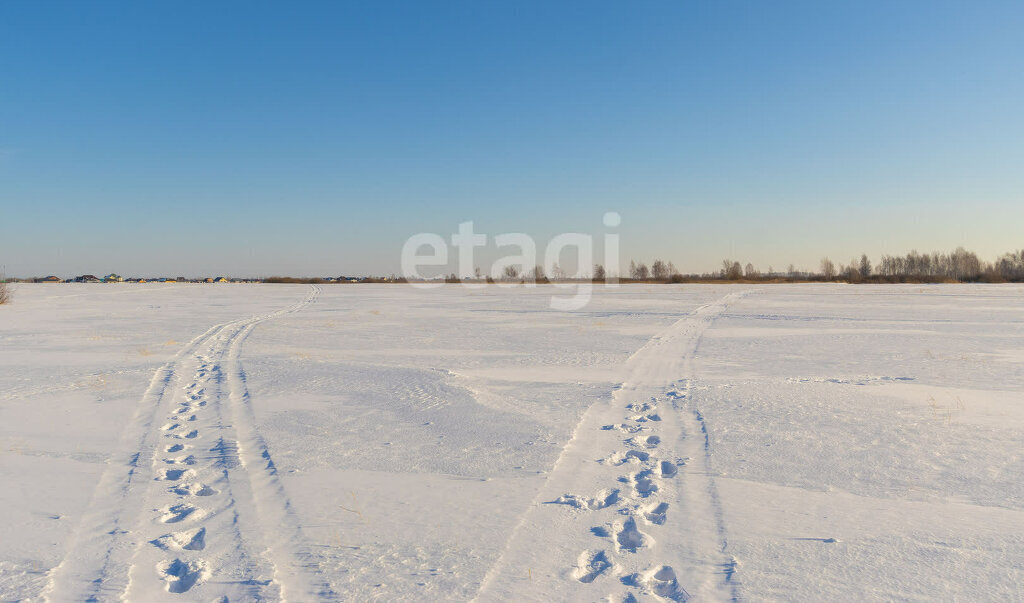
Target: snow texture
x=665, y=443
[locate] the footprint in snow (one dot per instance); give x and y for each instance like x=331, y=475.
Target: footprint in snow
x=644, y=418
x=193, y=489
x=173, y=475
x=662, y=582
x=179, y=436
x=181, y=460
x=178, y=513
x=649, y=442
x=656, y=513
x=623, y=427
x=188, y=540
x=641, y=407
x=604, y=498
x=643, y=482
x=182, y=575
x=629, y=456
x=629, y=538
x=590, y=565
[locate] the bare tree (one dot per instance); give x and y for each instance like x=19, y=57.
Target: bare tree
x=538, y=274
x=731, y=270
x=852, y=272
x=865, y=266
x=1010, y=266
x=599, y=273
x=828, y=269
x=750, y=272
x=511, y=273
x=5, y=293
x=659, y=270
x=638, y=272
x=965, y=265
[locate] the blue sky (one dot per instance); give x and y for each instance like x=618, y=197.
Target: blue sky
x=254, y=138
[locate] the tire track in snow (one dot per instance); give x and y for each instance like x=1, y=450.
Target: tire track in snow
x=195, y=505
x=630, y=508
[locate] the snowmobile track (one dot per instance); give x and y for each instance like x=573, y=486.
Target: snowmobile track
x=193, y=503
x=630, y=508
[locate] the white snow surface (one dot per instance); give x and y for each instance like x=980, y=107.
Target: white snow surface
x=378, y=442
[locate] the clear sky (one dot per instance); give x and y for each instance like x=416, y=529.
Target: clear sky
x=252, y=138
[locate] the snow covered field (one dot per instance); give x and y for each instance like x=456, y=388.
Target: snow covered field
x=830, y=442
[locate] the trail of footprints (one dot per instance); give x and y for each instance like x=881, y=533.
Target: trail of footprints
x=189, y=498
x=635, y=501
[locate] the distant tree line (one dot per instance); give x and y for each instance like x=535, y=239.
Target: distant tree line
x=960, y=266
x=291, y=280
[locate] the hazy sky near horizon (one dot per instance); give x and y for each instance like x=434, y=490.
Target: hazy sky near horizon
x=254, y=138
